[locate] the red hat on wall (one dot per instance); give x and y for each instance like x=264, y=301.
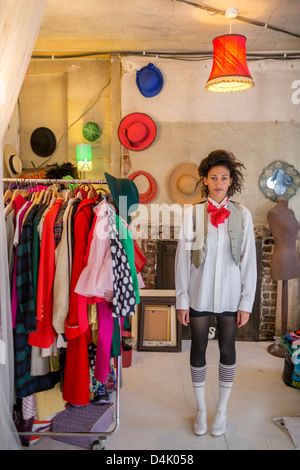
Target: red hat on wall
x=137, y=131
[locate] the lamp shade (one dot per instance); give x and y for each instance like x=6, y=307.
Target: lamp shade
x=84, y=157
x=229, y=70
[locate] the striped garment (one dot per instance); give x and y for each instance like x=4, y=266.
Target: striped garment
x=198, y=376
x=226, y=375
x=24, y=285
x=58, y=224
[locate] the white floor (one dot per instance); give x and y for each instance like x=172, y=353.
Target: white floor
x=157, y=404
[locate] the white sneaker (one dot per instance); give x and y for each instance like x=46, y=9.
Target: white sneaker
x=219, y=424
x=200, y=423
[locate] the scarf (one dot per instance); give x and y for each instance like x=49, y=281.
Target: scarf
x=218, y=216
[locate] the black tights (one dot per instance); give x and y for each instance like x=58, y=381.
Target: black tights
x=227, y=327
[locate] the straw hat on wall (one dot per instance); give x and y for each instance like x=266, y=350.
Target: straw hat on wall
x=12, y=161
x=181, y=184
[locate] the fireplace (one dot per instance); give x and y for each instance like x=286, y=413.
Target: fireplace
x=158, y=273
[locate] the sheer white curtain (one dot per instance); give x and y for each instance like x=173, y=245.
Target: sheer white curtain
x=20, y=22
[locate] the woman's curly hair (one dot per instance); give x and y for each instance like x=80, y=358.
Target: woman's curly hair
x=228, y=160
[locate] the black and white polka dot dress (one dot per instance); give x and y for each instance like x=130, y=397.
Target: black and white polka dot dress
x=124, y=300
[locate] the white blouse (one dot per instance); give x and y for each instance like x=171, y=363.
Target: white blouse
x=218, y=285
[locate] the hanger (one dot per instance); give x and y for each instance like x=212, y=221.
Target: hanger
x=48, y=196
x=102, y=189
x=7, y=195
x=54, y=194
x=15, y=194
x=8, y=208
x=44, y=196
x=40, y=196
x=33, y=193
x=92, y=193
x=33, y=196
x=25, y=193
x=69, y=194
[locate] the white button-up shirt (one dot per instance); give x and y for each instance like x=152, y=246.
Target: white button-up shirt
x=218, y=285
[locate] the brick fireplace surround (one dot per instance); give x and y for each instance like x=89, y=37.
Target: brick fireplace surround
x=267, y=297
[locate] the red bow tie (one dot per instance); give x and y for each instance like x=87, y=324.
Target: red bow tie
x=218, y=216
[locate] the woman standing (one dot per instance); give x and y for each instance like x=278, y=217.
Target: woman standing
x=215, y=274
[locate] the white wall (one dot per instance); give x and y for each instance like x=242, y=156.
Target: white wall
x=260, y=125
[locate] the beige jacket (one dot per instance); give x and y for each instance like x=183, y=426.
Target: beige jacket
x=235, y=221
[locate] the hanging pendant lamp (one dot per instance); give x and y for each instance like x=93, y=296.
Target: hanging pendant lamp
x=230, y=70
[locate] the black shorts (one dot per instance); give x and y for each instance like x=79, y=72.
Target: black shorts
x=195, y=313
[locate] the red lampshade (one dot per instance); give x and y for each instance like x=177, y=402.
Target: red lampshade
x=229, y=71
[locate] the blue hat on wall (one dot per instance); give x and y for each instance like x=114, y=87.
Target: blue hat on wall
x=149, y=80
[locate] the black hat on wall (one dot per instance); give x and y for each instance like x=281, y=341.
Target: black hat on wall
x=43, y=142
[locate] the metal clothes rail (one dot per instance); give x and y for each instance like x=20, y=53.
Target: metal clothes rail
x=102, y=436
x=52, y=180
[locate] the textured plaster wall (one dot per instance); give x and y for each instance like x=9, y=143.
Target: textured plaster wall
x=260, y=125
x=63, y=96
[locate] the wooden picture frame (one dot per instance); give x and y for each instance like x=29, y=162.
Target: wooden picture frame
x=158, y=327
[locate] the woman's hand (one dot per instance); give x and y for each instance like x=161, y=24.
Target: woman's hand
x=242, y=318
x=183, y=316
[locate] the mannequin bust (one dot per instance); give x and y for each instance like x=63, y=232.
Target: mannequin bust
x=285, y=260
x=284, y=227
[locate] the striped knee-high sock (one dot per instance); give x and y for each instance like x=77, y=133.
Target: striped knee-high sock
x=198, y=380
x=226, y=376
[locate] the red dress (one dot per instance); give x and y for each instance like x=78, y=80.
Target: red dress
x=77, y=329
x=45, y=334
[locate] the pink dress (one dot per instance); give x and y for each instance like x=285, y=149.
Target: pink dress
x=96, y=279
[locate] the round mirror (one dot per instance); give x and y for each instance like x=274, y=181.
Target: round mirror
x=279, y=180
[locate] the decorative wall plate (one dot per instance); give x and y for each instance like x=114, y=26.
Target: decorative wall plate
x=279, y=180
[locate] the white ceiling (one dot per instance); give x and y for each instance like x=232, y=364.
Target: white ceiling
x=76, y=26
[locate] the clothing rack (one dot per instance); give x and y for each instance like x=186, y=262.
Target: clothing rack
x=98, y=444
x=102, y=436
x=52, y=181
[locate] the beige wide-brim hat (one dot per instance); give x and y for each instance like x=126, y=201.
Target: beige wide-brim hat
x=181, y=184
x=12, y=161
